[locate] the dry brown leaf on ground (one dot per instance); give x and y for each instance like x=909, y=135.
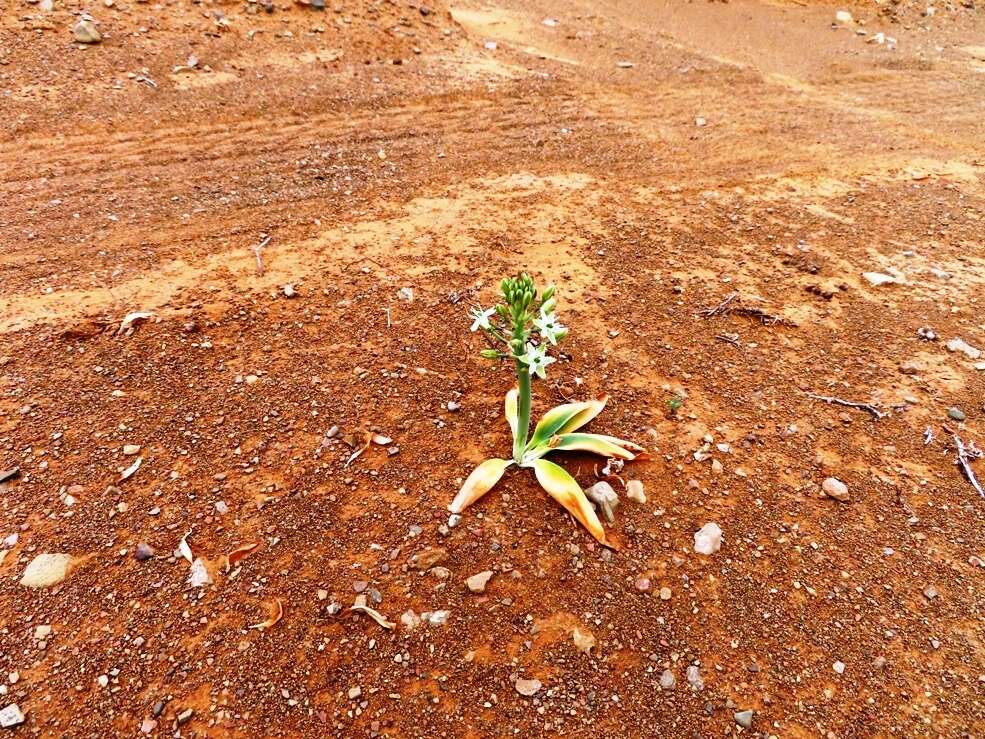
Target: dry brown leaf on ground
x=277, y=613
x=239, y=553
x=360, y=606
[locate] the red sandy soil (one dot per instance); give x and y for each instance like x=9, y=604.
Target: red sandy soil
x=381, y=147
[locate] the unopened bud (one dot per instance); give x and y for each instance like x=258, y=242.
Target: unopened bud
x=489, y=354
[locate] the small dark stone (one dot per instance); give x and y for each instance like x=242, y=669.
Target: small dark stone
x=158, y=708
x=143, y=552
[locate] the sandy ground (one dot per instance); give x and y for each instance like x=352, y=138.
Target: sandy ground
x=652, y=159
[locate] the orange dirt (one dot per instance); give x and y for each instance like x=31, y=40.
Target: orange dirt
x=650, y=158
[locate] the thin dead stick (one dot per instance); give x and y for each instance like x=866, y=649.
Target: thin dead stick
x=728, y=339
x=768, y=319
x=867, y=407
x=721, y=307
x=256, y=250
x=964, y=462
x=731, y=305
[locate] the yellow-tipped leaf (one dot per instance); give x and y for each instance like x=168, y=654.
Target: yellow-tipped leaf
x=558, y=418
x=511, y=409
x=565, y=490
x=594, y=443
x=481, y=481
x=592, y=408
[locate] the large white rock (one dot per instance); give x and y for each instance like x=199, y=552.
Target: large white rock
x=708, y=539
x=46, y=570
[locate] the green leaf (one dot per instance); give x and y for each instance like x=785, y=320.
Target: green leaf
x=481, y=481
x=565, y=490
x=592, y=409
x=557, y=419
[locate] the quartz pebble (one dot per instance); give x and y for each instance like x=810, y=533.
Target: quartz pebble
x=527, y=687
x=11, y=716
x=634, y=491
x=46, y=569
x=708, y=539
x=835, y=488
x=477, y=583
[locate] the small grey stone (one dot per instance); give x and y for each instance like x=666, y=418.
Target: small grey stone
x=143, y=552
x=453, y=406
x=185, y=716
x=956, y=414
x=744, y=719
x=667, y=680
x=221, y=508
x=930, y=592
x=694, y=677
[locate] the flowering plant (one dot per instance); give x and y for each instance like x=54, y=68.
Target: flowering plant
x=522, y=327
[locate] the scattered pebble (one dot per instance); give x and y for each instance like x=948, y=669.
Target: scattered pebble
x=477, y=583
x=667, y=680
x=143, y=552
x=527, y=687
x=634, y=491
x=835, y=488
x=85, y=32
x=694, y=678
x=878, y=278
x=288, y=290
x=956, y=414
x=744, y=719
x=199, y=576
x=665, y=593
x=839, y=667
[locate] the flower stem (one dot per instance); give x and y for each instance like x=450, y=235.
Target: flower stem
x=523, y=411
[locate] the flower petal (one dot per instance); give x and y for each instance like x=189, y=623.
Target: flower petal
x=565, y=490
x=511, y=409
x=480, y=482
x=607, y=446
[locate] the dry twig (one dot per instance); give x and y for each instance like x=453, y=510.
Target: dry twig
x=256, y=250
x=731, y=305
x=965, y=455
x=867, y=407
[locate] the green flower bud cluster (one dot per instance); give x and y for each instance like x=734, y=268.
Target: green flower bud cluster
x=524, y=323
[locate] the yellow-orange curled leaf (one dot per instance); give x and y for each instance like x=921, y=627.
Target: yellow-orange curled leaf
x=594, y=443
x=565, y=490
x=480, y=482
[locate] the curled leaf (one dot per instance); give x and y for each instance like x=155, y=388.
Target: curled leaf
x=277, y=613
x=238, y=553
x=360, y=607
x=367, y=440
x=511, y=410
x=595, y=443
x=184, y=549
x=566, y=418
x=478, y=483
x=128, y=472
x=565, y=490
x=592, y=408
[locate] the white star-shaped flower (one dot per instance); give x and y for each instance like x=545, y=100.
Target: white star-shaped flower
x=536, y=360
x=482, y=318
